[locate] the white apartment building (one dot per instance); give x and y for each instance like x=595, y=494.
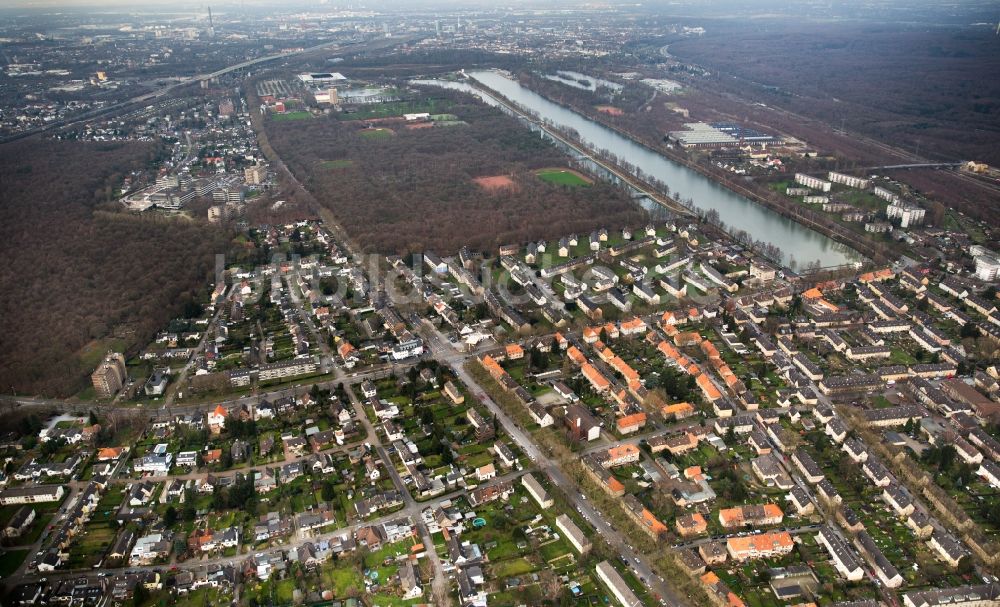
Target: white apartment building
x=812, y=182
x=908, y=215
x=885, y=194
x=848, y=180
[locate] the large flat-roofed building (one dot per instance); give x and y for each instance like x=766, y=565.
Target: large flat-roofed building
x=286, y=368
x=745, y=135
x=719, y=135
x=110, y=375
x=908, y=214
x=217, y=214
x=702, y=135
x=885, y=194
x=848, y=180
x=987, y=267
x=32, y=494
x=232, y=195
x=329, y=96
x=324, y=78
x=255, y=175
x=813, y=182
x=607, y=574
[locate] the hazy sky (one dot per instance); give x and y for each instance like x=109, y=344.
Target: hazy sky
x=926, y=11
x=389, y=5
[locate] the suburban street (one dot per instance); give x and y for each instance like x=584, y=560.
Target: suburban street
x=638, y=563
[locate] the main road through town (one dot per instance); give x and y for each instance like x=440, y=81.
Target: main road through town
x=444, y=353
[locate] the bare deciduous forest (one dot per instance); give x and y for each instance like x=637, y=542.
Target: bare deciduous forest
x=648, y=118
x=915, y=87
x=413, y=190
x=77, y=276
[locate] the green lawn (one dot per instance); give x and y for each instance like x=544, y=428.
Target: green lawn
x=508, y=568
x=284, y=591
x=35, y=531
x=339, y=578
x=861, y=198
x=565, y=177
x=301, y=115
x=202, y=597
x=394, y=108
x=376, y=133
x=88, y=549
x=10, y=561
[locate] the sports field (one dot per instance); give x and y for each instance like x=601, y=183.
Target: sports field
x=376, y=133
x=302, y=115
x=495, y=183
x=567, y=177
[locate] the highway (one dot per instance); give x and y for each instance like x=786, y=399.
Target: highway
x=165, y=90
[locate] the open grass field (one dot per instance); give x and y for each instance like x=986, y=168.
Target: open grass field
x=566, y=177
x=202, y=597
x=336, y=164
x=394, y=108
x=379, y=133
x=10, y=560
x=290, y=116
x=34, y=531
x=88, y=549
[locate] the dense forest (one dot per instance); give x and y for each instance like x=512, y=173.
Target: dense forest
x=922, y=89
x=414, y=62
x=79, y=276
x=404, y=190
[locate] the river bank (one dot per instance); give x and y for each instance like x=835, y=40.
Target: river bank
x=800, y=246
x=809, y=219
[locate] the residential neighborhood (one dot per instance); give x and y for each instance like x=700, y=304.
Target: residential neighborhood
x=663, y=411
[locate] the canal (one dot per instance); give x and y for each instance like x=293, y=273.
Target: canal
x=799, y=245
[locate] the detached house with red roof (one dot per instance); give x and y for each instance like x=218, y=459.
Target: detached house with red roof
x=631, y=423
x=348, y=353
x=217, y=419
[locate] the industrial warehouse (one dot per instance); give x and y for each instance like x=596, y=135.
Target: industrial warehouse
x=719, y=135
